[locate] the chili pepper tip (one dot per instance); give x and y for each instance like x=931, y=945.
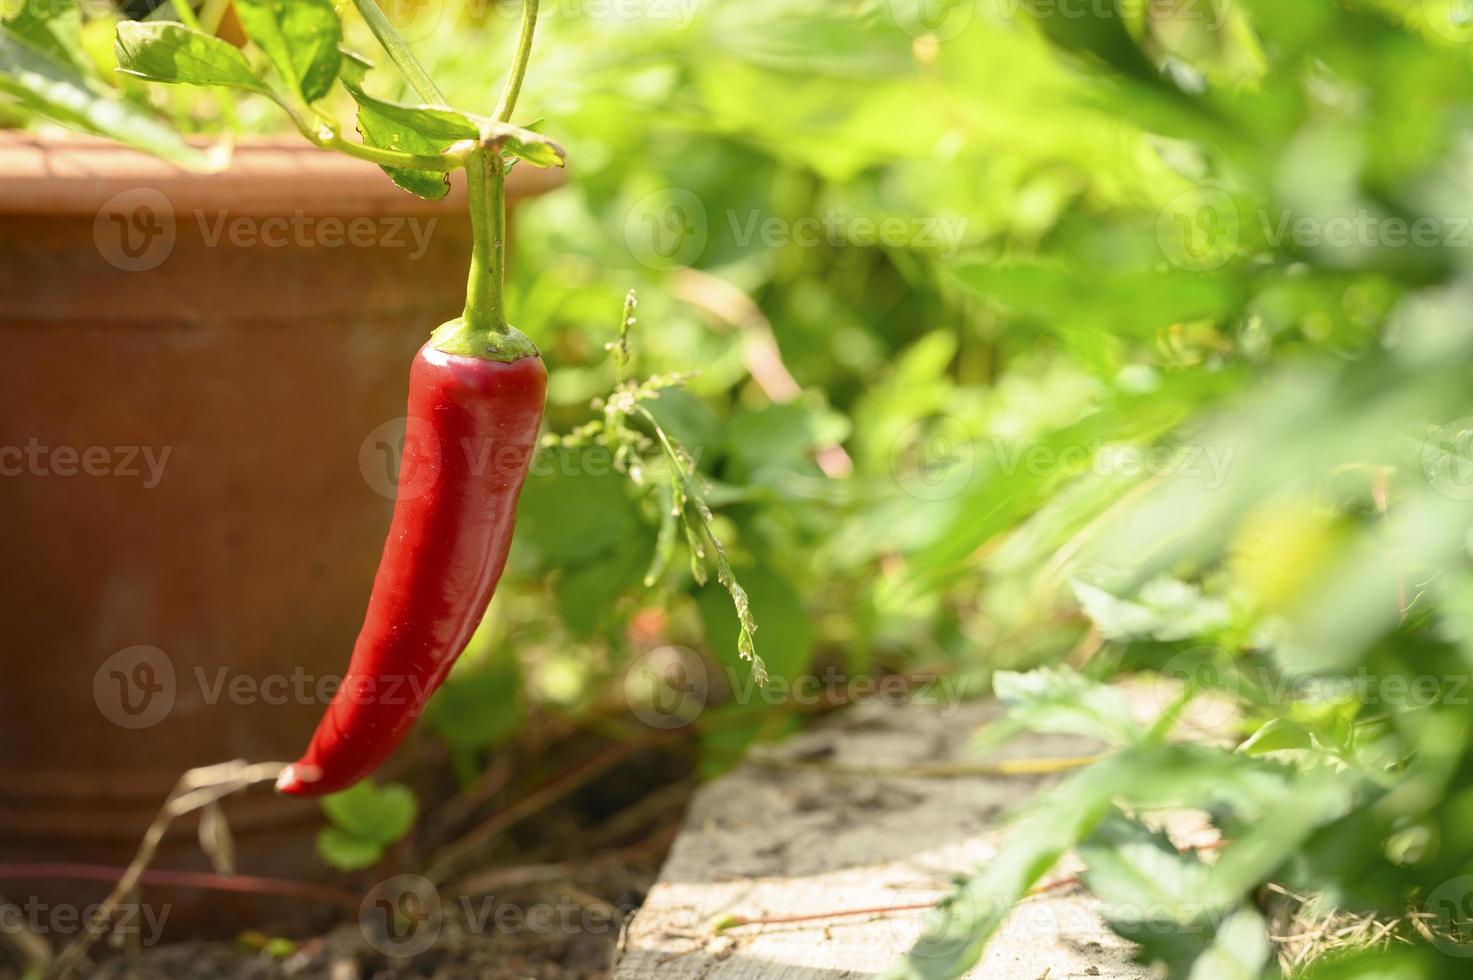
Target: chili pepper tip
x=297, y=779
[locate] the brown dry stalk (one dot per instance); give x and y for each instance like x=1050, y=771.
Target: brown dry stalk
x=197, y=788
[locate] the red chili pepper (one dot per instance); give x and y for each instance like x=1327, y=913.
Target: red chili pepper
x=472, y=429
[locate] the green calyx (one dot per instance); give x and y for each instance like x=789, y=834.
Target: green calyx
x=505, y=345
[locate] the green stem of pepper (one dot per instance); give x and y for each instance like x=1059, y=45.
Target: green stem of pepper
x=513, y=86
x=486, y=185
x=482, y=330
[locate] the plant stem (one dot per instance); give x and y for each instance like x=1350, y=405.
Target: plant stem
x=444, y=163
x=485, y=306
x=398, y=52
x=485, y=310
x=513, y=86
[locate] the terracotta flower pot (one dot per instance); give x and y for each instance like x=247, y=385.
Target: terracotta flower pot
x=197, y=397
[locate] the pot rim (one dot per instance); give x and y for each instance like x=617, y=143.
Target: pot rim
x=72, y=174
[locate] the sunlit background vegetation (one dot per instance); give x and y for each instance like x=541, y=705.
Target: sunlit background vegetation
x=1100, y=340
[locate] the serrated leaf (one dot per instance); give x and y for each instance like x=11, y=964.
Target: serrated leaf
x=379, y=814
x=1059, y=701
x=1165, y=610
x=172, y=53
x=344, y=851
x=301, y=39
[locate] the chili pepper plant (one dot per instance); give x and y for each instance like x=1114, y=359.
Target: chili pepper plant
x=477, y=387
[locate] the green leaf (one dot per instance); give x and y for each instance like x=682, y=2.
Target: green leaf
x=345, y=852
x=53, y=27
x=301, y=39
x=569, y=514
x=431, y=122
x=1166, y=610
x=1152, y=893
x=524, y=144
x=378, y=814
x=958, y=931
x=386, y=133
x=587, y=595
x=481, y=708
x=787, y=629
x=54, y=91
x=1056, y=700
x=164, y=52
x=1277, y=735
x=1240, y=950
x=354, y=67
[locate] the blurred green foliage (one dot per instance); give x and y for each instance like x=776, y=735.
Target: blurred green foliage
x=1135, y=335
